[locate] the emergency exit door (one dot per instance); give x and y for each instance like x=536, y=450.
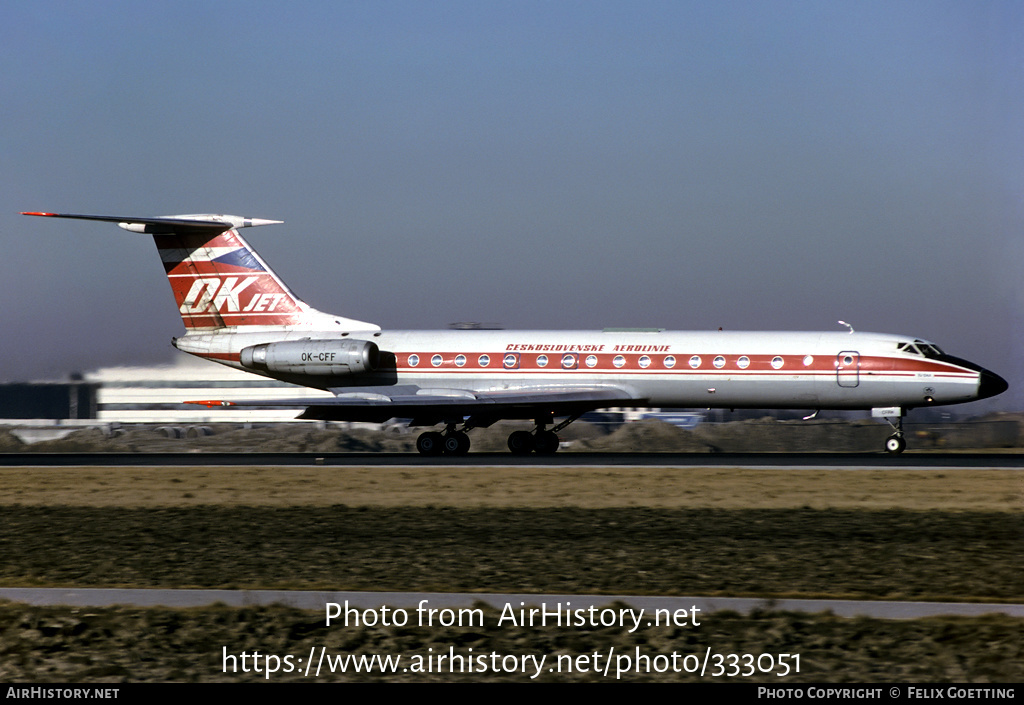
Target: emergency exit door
x=848, y=368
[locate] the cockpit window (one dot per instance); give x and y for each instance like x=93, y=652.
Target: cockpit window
x=929, y=350
x=920, y=347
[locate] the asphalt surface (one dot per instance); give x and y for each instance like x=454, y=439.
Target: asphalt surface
x=316, y=600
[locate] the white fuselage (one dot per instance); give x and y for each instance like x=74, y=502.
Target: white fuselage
x=824, y=370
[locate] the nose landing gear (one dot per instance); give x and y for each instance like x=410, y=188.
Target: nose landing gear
x=895, y=443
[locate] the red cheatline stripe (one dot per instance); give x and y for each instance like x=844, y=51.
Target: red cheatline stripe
x=758, y=364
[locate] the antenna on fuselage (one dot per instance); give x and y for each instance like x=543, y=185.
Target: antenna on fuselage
x=844, y=323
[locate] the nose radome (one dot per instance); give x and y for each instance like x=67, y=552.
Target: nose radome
x=991, y=384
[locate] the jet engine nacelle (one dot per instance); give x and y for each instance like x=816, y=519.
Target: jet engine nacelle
x=313, y=357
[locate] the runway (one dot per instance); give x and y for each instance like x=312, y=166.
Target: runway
x=751, y=460
x=316, y=600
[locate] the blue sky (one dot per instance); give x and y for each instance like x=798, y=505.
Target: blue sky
x=689, y=165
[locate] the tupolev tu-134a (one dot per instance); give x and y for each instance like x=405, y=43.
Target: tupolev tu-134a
x=239, y=313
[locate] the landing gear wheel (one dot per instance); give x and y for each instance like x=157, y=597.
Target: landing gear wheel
x=430, y=443
x=895, y=444
x=520, y=442
x=545, y=443
x=456, y=443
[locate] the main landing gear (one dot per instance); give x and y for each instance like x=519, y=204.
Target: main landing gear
x=541, y=441
x=451, y=442
x=456, y=442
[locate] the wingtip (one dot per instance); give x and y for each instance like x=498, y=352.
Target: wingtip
x=211, y=402
x=38, y=213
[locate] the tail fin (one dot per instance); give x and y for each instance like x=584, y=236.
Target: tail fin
x=218, y=280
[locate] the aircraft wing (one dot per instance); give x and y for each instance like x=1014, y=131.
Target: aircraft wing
x=430, y=406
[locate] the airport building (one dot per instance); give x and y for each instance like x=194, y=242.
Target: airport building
x=151, y=395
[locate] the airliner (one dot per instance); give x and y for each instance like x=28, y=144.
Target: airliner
x=238, y=312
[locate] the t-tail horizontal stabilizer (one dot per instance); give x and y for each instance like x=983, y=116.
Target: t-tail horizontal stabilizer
x=169, y=224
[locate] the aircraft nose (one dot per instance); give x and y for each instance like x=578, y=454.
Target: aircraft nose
x=991, y=384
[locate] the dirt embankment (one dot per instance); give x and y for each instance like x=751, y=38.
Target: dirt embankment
x=1001, y=431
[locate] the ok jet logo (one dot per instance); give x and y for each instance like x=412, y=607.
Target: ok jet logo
x=209, y=294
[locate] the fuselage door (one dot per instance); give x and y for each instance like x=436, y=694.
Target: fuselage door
x=848, y=368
